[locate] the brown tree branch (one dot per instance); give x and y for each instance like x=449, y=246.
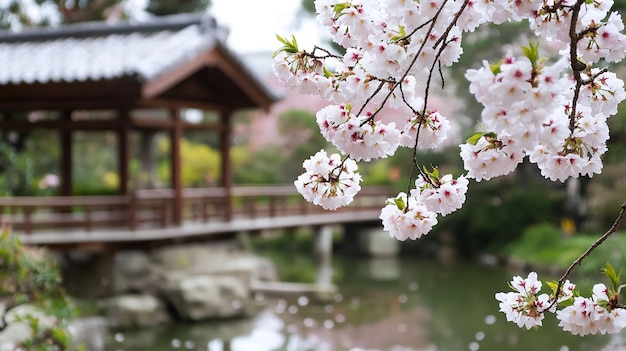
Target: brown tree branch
x=597, y=243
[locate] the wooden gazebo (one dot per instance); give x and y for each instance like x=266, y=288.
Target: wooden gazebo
x=169, y=63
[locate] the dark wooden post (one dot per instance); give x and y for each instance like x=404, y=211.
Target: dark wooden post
x=226, y=166
x=146, y=139
x=176, y=134
x=123, y=137
x=66, y=154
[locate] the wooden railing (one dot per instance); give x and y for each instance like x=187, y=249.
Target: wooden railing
x=153, y=208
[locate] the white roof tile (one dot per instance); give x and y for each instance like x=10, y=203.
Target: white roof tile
x=100, y=53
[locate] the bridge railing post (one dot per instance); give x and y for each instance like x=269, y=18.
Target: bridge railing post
x=132, y=212
x=165, y=213
x=272, y=211
x=88, y=219
x=28, y=221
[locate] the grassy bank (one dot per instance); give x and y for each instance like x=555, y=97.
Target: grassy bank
x=545, y=245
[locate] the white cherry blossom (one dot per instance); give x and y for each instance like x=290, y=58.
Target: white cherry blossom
x=404, y=218
x=329, y=181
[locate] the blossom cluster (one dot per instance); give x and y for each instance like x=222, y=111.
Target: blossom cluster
x=526, y=306
x=527, y=112
x=329, y=181
x=555, y=112
x=410, y=217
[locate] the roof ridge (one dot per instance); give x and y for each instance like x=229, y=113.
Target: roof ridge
x=97, y=28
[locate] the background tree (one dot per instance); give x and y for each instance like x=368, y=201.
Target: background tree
x=302, y=139
x=16, y=14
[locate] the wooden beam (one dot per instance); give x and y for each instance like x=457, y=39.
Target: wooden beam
x=149, y=123
x=107, y=90
x=228, y=64
x=167, y=80
x=60, y=124
x=203, y=126
x=176, y=135
x=179, y=103
x=61, y=103
x=7, y=124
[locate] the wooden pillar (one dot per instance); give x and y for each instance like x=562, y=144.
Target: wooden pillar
x=66, y=155
x=176, y=134
x=123, y=152
x=5, y=116
x=226, y=165
x=146, y=141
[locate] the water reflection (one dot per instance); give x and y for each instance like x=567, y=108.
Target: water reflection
x=391, y=305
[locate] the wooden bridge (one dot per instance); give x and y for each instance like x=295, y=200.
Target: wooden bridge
x=144, y=217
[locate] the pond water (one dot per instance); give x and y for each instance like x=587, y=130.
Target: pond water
x=382, y=305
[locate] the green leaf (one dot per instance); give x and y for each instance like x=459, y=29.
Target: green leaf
x=338, y=8
x=290, y=47
x=282, y=40
x=60, y=336
x=532, y=52
x=609, y=271
x=474, y=138
x=278, y=51
x=566, y=303
x=553, y=285
x=399, y=203
x=434, y=174
x=401, y=34
x=328, y=73
x=495, y=67
x=294, y=43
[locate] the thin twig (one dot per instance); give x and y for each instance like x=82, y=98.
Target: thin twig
x=597, y=243
x=415, y=58
x=576, y=65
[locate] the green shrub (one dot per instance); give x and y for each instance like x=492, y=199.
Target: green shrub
x=544, y=245
x=538, y=237
x=30, y=276
x=497, y=212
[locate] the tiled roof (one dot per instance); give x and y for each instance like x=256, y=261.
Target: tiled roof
x=99, y=51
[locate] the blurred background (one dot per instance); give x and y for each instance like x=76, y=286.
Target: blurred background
x=435, y=294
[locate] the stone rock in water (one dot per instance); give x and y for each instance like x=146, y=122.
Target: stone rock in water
x=90, y=332
x=205, y=297
x=17, y=331
x=126, y=311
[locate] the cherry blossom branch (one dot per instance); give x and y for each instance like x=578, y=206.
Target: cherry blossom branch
x=452, y=23
x=427, y=91
x=593, y=246
x=320, y=57
x=406, y=37
x=367, y=101
x=432, y=21
x=577, y=66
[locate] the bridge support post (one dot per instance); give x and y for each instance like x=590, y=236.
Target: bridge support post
x=369, y=241
x=324, y=255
